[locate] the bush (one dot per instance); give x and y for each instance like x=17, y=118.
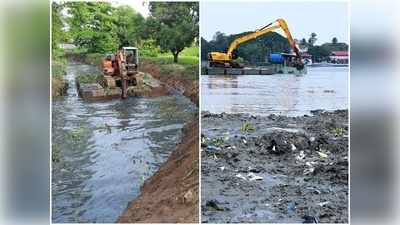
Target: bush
x=149, y=49
x=192, y=51
x=94, y=58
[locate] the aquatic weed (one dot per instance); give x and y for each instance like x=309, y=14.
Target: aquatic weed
x=78, y=134
x=55, y=153
x=248, y=127
x=339, y=132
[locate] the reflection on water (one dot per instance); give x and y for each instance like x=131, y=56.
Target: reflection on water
x=107, y=149
x=285, y=94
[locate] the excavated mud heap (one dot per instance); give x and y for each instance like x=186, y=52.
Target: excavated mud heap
x=188, y=88
x=275, y=168
x=171, y=194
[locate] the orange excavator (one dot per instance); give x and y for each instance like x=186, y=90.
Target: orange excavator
x=120, y=69
x=222, y=59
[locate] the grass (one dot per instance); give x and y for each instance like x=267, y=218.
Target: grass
x=58, y=64
x=189, y=56
x=169, y=59
x=186, y=68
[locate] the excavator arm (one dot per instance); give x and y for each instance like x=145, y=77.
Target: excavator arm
x=226, y=58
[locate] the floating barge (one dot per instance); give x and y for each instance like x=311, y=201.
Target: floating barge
x=271, y=70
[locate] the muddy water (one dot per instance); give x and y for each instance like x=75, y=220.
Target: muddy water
x=107, y=149
x=289, y=95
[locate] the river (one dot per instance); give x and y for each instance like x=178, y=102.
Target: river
x=285, y=94
x=107, y=149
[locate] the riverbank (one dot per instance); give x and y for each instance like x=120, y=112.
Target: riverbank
x=275, y=169
x=58, y=84
x=180, y=77
x=171, y=194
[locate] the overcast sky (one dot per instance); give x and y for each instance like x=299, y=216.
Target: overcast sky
x=140, y=6
x=326, y=19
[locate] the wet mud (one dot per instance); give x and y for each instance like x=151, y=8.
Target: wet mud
x=275, y=169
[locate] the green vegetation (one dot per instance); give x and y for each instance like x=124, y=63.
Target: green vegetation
x=251, y=52
x=58, y=65
x=173, y=25
x=89, y=78
x=99, y=28
x=248, y=127
x=256, y=51
x=189, y=72
x=78, y=134
x=339, y=132
x=94, y=58
x=55, y=153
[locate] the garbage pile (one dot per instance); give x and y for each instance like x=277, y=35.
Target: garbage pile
x=275, y=169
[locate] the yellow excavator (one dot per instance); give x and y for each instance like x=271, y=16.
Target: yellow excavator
x=221, y=59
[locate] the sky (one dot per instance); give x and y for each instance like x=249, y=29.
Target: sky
x=140, y=6
x=326, y=19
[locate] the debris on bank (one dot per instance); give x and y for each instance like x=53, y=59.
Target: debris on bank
x=276, y=169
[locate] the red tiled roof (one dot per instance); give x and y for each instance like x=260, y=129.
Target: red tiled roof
x=340, y=53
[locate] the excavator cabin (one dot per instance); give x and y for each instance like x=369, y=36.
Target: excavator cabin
x=120, y=69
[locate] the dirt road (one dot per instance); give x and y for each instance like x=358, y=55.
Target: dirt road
x=275, y=168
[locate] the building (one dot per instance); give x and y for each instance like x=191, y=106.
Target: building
x=339, y=57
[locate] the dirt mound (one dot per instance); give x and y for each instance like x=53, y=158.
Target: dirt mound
x=171, y=194
x=188, y=88
x=275, y=169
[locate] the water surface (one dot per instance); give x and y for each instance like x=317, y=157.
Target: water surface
x=285, y=94
x=107, y=149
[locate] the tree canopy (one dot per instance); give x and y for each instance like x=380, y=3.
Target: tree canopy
x=173, y=25
x=100, y=27
x=56, y=25
x=93, y=26
x=253, y=51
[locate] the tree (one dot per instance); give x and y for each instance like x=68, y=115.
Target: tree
x=129, y=26
x=303, y=42
x=92, y=26
x=334, y=40
x=56, y=25
x=253, y=51
x=173, y=25
x=319, y=53
x=312, y=39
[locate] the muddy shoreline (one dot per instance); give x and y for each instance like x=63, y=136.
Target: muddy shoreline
x=171, y=194
x=275, y=169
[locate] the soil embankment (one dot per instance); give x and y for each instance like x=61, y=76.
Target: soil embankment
x=171, y=194
x=275, y=169
x=188, y=88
